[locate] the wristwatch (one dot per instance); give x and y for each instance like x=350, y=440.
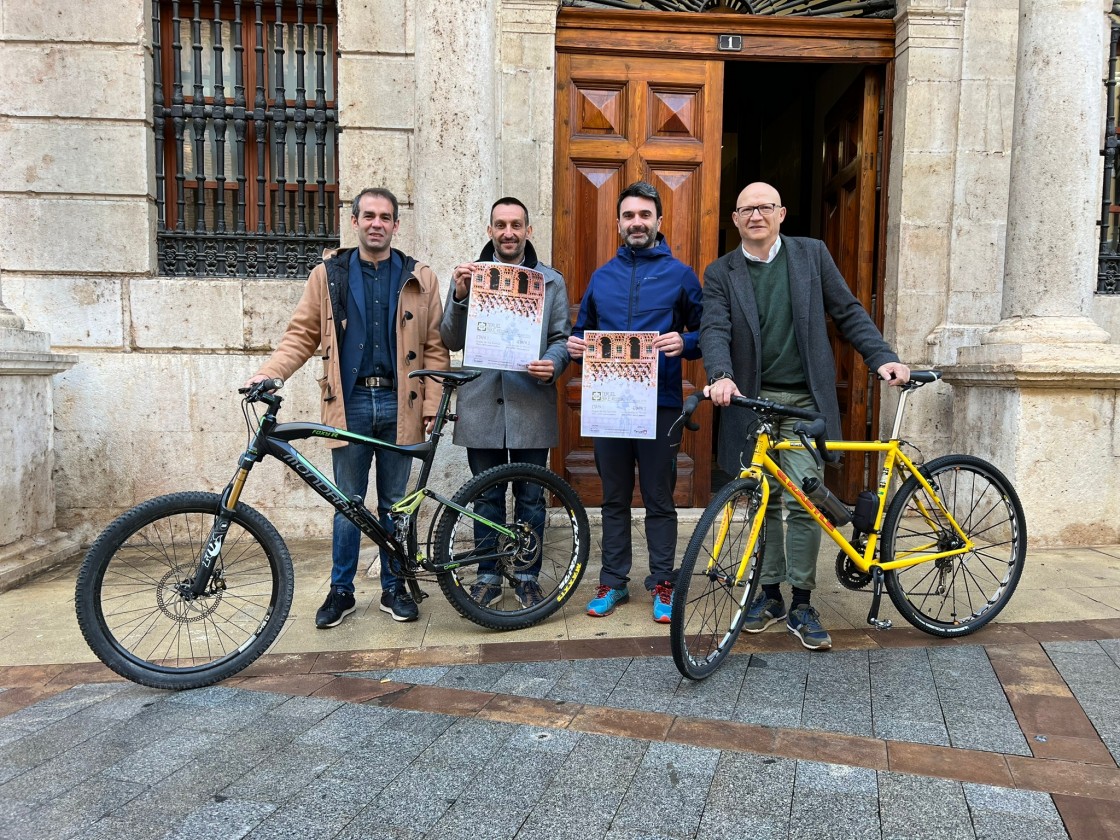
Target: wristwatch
x=719, y=375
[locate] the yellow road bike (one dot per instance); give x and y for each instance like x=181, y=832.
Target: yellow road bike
x=948, y=544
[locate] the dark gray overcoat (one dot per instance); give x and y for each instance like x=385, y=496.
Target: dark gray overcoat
x=505, y=409
x=730, y=336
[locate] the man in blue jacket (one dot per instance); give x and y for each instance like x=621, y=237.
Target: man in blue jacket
x=643, y=288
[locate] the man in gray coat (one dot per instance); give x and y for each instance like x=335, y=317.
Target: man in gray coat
x=764, y=334
x=510, y=416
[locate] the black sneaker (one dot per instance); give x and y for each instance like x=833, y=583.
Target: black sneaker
x=399, y=604
x=338, y=605
x=528, y=593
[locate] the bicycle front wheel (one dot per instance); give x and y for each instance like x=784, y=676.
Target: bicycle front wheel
x=710, y=598
x=958, y=594
x=132, y=597
x=510, y=581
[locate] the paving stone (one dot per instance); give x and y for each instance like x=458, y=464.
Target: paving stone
x=771, y=697
x=1004, y=814
x=918, y=807
x=648, y=684
x=532, y=679
x=419, y=676
x=668, y=792
x=284, y=774
x=476, y=677
x=229, y=819
x=750, y=796
x=591, y=783
x=914, y=731
x=162, y=758
x=542, y=739
x=849, y=717
x=589, y=681
x=715, y=697
x=69, y=813
x=349, y=726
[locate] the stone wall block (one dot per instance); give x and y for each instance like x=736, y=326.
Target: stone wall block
x=44, y=159
x=114, y=393
x=76, y=236
x=990, y=106
x=60, y=20
x=376, y=159
x=923, y=258
x=520, y=164
x=940, y=62
x=978, y=249
x=1106, y=313
x=378, y=26
x=991, y=36
x=76, y=311
x=269, y=305
x=40, y=80
x=93, y=475
x=517, y=106
x=927, y=187
x=186, y=312
x=983, y=184
x=931, y=116
x=377, y=92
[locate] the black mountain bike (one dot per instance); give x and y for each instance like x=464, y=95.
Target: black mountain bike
x=187, y=589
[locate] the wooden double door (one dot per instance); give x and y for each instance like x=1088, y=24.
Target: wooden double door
x=647, y=103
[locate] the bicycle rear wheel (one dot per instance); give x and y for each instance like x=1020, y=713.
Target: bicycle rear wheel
x=131, y=599
x=710, y=598
x=549, y=547
x=956, y=595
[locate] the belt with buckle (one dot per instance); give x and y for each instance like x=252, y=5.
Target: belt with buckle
x=376, y=382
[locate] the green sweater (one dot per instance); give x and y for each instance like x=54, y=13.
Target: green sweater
x=781, y=362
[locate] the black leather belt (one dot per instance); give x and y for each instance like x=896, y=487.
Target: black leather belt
x=376, y=382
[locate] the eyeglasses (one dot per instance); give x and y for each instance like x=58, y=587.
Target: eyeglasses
x=763, y=209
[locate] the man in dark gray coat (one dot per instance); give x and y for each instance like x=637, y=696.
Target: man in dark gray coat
x=510, y=416
x=764, y=335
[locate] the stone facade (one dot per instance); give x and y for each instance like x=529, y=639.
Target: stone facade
x=452, y=105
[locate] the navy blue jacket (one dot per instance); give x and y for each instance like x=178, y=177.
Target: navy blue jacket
x=648, y=290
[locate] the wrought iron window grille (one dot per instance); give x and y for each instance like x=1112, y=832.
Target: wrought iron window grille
x=227, y=204
x=1108, y=261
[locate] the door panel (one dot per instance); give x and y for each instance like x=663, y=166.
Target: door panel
x=618, y=120
x=849, y=224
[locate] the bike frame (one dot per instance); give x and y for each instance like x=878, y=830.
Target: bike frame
x=273, y=438
x=762, y=465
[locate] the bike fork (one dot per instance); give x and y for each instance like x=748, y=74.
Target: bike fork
x=876, y=596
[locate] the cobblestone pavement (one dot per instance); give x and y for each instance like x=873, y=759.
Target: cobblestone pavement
x=580, y=729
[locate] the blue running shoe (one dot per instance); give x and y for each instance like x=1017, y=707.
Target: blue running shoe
x=805, y=623
x=606, y=599
x=762, y=613
x=662, y=603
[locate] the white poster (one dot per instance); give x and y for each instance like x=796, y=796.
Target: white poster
x=504, y=316
x=619, y=397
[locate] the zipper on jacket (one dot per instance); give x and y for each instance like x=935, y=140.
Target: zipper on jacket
x=633, y=291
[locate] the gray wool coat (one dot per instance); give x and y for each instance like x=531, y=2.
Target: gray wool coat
x=730, y=336
x=505, y=409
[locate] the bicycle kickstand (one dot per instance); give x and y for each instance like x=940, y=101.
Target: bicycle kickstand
x=877, y=595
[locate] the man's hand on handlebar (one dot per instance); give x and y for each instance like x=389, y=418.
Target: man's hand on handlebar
x=721, y=391
x=894, y=373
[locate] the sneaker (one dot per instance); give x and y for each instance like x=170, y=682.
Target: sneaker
x=762, y=613
x=805, y=624
x=606, y=599
x=662, y=602
x=528, y=593
x=338, y=605
x=486, y=594
x=399, y=604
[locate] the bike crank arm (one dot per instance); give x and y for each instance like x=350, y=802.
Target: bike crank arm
x=876, y=596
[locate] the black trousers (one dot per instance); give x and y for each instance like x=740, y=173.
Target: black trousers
x=657, y=474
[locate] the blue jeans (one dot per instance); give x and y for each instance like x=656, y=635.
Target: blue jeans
x=528, y=505
x=371, y=412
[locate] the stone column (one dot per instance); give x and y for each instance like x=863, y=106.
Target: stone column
x=1038, y=395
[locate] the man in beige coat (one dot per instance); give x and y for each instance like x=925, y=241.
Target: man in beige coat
x=372, y=314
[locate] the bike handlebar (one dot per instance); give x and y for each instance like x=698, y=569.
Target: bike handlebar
x=258, y=389
x=816, y=428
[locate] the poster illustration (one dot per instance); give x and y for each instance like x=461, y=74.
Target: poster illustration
x=504, y=316
x=619, y=396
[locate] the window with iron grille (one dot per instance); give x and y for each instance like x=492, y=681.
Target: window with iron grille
x=246, y=133
x=1108, y=262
